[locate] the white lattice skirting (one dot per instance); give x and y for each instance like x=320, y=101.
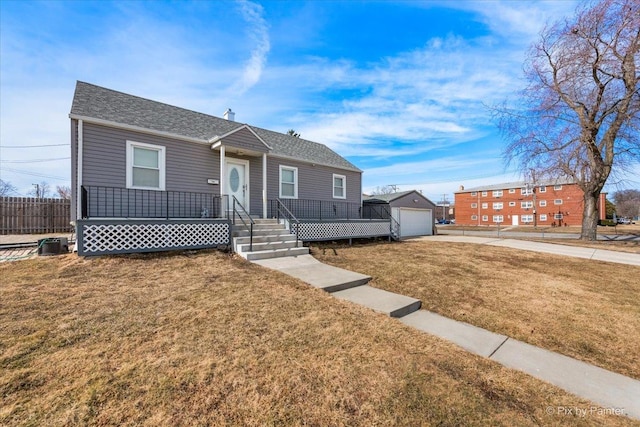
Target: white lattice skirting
x=111, y=237
x=342, y=230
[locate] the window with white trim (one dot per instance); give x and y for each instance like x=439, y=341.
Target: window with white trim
x=498, y=218
x=474, y=194
x=542, y=203
x=474, y=205
x=497, y=205
x=527, y=204
x=474, y=217
x=145, y=166
x=288, y=182
x=526, y=218
x=557, y=187
x=485, y=206
x=339, y=186
x=497, y=193
x=512, y=203
x=557, y=202
x=543, y=217
x=543, y=189
x=526, y=191
x=485, y=218
x=557, y=216
x=512, y=191
x=484, y=194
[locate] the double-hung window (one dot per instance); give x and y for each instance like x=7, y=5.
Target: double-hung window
x=145, y=166
x=288, y=182
x=497, y=205
x=339, y=186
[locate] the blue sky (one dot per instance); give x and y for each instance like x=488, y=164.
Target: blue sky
x=399, y=88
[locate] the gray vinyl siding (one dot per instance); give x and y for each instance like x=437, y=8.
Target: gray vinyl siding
x=245, y=140
x=188, y=165
x=407, y=201
x=315, y=182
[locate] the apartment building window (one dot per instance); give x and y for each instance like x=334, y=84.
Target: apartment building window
x=497, y=205
x=485, y=218
x=512, y=204
x=543, y=217
x=498, y=218
x=526, y=218
x=557, y=202
x=485, y=206
x=474, y=217
x=474, y=194
x=474, y=205
x=543, y=189
x=497, y=193
x=557, y=216
x=542, y=203
x=484, y=194
x=512, y=191
x=557, y=187
x=527, y=204
x=526, y=191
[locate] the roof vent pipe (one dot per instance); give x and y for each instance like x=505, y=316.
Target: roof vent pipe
x=461, y=187
x=230, y=115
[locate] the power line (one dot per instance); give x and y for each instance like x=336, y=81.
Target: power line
x=39, y=175
x=34, y=160
x=34, y=146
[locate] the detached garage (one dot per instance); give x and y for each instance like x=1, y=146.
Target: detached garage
x=412, y=210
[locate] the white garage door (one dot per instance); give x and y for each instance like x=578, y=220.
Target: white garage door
x=414, y=222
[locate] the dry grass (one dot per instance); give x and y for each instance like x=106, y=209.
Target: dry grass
x=208, y=339
x=585, y=309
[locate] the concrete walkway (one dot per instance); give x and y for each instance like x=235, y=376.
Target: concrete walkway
x=609, y=390
x=549, y=248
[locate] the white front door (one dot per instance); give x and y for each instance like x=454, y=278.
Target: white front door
x=238, y=181
x=514, y=220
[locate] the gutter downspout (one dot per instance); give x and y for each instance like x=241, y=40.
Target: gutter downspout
x=79, y=172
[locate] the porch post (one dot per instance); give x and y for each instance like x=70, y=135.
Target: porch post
x=223, y=174
x=264, y=185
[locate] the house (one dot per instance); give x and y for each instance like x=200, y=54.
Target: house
x=413, y=211
x=138, y=161
x=547, y=203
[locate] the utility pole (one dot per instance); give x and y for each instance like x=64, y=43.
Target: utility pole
x=444, y=206
x=37, y=190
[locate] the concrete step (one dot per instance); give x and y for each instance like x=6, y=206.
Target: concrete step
x=391, y=304
x=262, y=232
x=265, y=239
x=268, y=246
x=274, y=253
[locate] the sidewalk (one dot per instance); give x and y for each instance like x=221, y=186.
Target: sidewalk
x=549, y=248
x=609, y=390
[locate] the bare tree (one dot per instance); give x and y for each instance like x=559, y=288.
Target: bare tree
x=40, y=190
x=627, y=203
x=293, y=133
x=579, y=115
x=64, y=192
x=387, y=189
x=6, y=188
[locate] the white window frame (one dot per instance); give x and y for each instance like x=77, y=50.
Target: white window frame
x=526, y=204
x=162, y=167
x=485, y=206
x=526, y=219
x=474, y=193
x=557, y=187
x=543, y=217
x=526, y=191
x=474, y=217
x=485, y=218
x=557, y=202
x=543, y=188
x=295, y=181
x=498, y=205
x=512, y=204
x=484, y=194
x=474, y=206
x=496, y=193
x=498, y=219
x=344, y=186
x=512, y=191
x=542, y=203
x=558, y=216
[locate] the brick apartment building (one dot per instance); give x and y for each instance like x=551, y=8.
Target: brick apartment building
x=546, y=204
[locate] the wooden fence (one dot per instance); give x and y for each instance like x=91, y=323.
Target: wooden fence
x=28, y=215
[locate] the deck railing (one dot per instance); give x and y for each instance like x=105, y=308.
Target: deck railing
x=114, y=202
x=321, y=210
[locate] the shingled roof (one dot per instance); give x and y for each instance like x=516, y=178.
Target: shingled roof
x=95, y=102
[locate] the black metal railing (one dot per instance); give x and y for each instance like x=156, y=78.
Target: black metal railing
x=114, y=202
x=316, y=209
x=284, y=213
x=238, y=210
